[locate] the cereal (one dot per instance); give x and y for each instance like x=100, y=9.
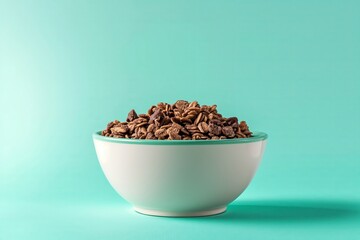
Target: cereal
x=179, y=121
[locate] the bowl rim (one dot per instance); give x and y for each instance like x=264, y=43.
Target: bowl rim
x=257, y=136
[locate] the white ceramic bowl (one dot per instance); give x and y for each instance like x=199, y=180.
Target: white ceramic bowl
x=179, y=177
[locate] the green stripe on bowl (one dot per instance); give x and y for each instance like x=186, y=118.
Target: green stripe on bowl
x=257, y=136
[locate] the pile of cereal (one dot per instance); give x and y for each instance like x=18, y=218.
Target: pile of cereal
x=179, y=121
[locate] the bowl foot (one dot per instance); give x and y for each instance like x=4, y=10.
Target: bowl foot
x=180, y=214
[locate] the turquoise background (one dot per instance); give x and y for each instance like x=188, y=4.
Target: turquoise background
x=289, y=68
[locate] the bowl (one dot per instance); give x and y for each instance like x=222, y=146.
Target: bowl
x=179, y=178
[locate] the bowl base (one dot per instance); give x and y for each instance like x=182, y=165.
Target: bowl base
x=160, y=213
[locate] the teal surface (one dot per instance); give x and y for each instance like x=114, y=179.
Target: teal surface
x=289, y=68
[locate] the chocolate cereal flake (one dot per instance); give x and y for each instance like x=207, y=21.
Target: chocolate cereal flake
x=179, y=121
